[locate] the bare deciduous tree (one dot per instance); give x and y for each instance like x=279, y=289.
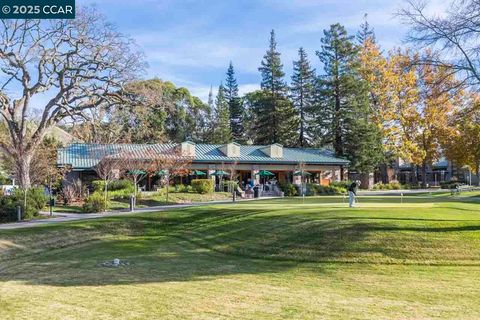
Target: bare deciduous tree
x=110, y=167
x=76, y=64
x=171, y=161
x=136, y=166
x=454, y=36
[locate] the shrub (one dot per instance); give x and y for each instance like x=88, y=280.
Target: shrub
x=8, y=212
x=341, y=184
x=230, y=185
x=331, y=189
x=180, y=188
x=203, y=186
x=393, y=185
x=68, y=195
x=95, y=203
x=36, y=200
x=289, y=189
x=117, y=189
x=452, y=184
x=115, y=185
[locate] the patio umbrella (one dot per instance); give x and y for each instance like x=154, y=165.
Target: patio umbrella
x=197, y=173
x=299, y=173
x=161, y=173
x=220, y=173
x=265, y=173
x=136, y=172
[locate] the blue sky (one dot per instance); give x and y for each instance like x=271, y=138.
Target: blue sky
x=190, y=42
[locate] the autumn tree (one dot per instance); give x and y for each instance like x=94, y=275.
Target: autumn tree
x=80, y=64
x=425, y=98
x=461, y=144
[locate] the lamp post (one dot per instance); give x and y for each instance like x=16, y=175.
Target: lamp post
x=51, y=196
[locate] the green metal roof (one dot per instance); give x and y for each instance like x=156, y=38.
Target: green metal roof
x=83, y=156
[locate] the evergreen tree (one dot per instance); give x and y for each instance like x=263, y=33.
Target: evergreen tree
x=235, y=105
x=210, y=99
x=276, y=119
x=343, y=117
x=303, y=94
x=222, y=133
x=366, y=33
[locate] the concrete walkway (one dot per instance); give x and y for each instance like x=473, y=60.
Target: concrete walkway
x=59, y=217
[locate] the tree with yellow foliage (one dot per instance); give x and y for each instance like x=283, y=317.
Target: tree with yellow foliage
x=425, y=98
x=461, y=144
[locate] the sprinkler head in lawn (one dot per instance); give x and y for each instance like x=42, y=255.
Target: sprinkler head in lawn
x=115, y=263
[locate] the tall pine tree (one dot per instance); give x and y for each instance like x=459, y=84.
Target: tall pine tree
x=366, y=33
x=303, y=95
x=275, y=114
x=235, y=105
x=222, y=133
x=343, y=117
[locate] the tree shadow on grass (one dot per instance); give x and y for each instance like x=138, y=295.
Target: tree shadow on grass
x=211, y=242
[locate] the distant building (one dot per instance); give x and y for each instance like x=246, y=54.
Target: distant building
x=407, y=173
x=322, y=166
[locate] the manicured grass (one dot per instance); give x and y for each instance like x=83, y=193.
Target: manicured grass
x=152, y=200
x=275, y=259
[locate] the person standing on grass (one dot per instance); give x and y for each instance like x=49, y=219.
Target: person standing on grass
x=352, y=193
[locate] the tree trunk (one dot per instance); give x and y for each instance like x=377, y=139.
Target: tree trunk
x=106, y=194
x=424, y=174
x=23, y=171
x=478, y=175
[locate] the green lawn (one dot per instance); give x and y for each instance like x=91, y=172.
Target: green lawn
x=151, y=200
x=276, y=259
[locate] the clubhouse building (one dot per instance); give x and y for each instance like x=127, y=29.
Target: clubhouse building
x=249, y=161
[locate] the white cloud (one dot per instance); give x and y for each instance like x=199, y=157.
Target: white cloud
x=200, y=53
x=248, y=87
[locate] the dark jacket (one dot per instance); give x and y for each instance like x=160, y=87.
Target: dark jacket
x=353, y=188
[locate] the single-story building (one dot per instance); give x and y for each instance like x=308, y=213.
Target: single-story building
x=247, y=160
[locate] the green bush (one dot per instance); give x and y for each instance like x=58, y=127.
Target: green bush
x=180, y=188
x=115, y=185
x=289, y=190
x=331, y=189
x=95, y=203
x=4, y=180
x=452, y=184
x=341, y=184
x=203, y=186
x=8, y=211
x=117, y=189
x=36, y=200
x=394, y=185
x=230, y=185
